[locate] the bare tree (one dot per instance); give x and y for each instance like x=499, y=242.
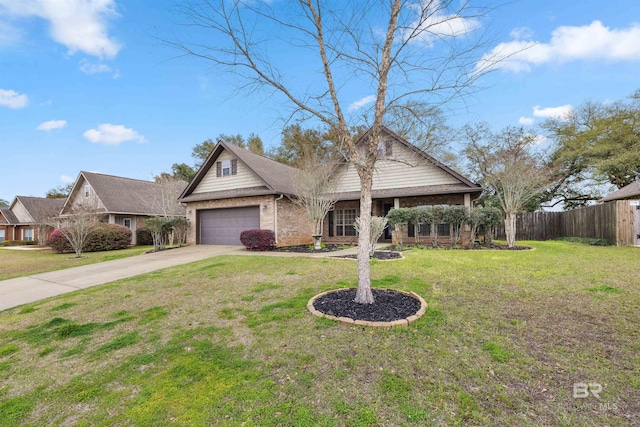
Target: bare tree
x=163, y=200
x=378, y=223
x=396, y=50
x=315, y=192
x=508, y=167
x=76, y=227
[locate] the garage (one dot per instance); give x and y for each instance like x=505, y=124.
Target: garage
x=223, y=226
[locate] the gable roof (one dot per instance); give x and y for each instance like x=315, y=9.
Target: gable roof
x=627, y=192
x=118, y=194
x=277, y=177
x=429, y=159
x=8, y=215
x=40, y=208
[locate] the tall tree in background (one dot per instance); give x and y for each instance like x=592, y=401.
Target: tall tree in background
x=396, y=51
x=298, y=145
x=595, y=144
x=3, y=202
x=60, y=192
x=506, y=165
x=201, y=151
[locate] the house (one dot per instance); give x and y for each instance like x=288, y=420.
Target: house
x=124, y=201
x=26, y=217
x=237, y=190
x=628, y=192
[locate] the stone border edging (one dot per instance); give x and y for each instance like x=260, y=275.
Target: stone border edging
x=379, y=260
x=349, y=321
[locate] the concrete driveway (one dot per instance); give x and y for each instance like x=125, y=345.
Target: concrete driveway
x=24, y=290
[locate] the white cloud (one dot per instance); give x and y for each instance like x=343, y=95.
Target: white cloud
x=66, y=179
x=588, y=42
x=52, y=124
x=438, y=23
x=80, y=25
x=89, y=68
x=112, y=134
x=525, y=121
x=521, y=33
x=560, y=112
x=361, y=103
x=13, y=99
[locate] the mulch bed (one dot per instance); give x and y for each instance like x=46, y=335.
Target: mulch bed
x=389, y=306
x=381, y=255
x=308, y=249
x=475, y=246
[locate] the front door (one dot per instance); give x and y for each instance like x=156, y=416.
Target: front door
x=387, y=230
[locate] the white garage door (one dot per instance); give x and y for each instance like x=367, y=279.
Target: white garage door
x=223, y=226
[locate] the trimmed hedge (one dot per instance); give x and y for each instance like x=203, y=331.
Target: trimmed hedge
x=144, y=237
x=107, y=237
x=18, y=242
x=258, y=240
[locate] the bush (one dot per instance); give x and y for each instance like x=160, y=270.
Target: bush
x=586, y=241
x=258, y=240
x=107, y=237
x=17, y=242
x=144, y=237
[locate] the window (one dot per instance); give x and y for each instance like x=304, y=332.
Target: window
x=227, y=167
x=87, y=191
x=27, y=234
x=385, y=148
x=1, y=235
x=345, y=218
x=127, y=223
x=443, y=230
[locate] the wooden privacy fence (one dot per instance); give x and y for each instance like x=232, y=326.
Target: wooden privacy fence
x=613, y=221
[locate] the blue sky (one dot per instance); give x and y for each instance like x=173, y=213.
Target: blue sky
x=86, y=85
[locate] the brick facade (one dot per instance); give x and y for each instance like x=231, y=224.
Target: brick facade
x=405, y=202
x=293, y=226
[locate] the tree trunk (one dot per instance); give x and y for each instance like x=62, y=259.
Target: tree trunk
x=364, y=294
x=510, y=229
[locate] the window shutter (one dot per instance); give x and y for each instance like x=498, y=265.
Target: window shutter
x=218, y=168
x=411, y=230
x=388, y=147
x=330, y=223
x=234, y=166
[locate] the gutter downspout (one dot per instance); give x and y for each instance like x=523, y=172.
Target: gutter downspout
x=275, y=217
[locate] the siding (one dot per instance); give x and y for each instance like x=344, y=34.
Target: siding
x=245, y=178
x=78, y=198
x=401, y=170
x=21, y=213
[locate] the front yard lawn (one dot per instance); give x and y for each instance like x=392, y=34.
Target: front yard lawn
x=17, y=263
x=228, y=341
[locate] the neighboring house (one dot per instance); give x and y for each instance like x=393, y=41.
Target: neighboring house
x=26, y=216
x=628, y=192
x=237, y=190
x=124, y=201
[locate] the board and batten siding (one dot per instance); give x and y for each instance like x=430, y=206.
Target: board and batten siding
x=244, y=178
x=402, y=169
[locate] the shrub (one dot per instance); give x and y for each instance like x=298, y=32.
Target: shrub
x=107, y=237
x=144, y=237
x=17, y=242
x=59, y=243
x=258, y=240
x=586, y=241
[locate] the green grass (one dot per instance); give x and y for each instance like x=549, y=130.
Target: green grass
x=17, y=263
x=504, y=338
